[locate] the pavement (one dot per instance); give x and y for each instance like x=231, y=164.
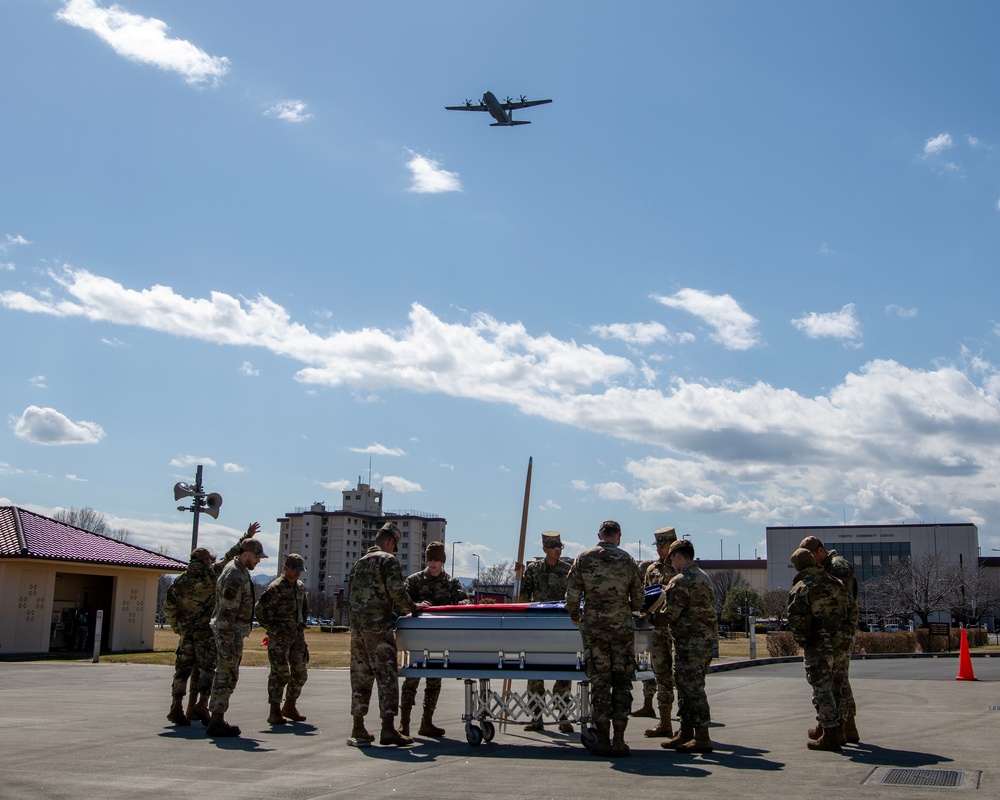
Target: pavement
x=80, y=730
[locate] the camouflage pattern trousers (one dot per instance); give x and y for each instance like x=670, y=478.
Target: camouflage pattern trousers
x=288, y=657
x=691, y=661
x=609, y=661
x=842, y=691
x=432, y=691
x=561, y=689
x=662, y=661
x=820, y=674
x=373, y=661
x=227, y=669
x=194, y=658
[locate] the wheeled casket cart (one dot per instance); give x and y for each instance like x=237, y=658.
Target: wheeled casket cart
x=526, y=641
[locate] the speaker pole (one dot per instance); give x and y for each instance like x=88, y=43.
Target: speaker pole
x=196, y=507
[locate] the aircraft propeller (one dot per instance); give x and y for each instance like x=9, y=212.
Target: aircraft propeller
x=508, y=100
x=524, y=99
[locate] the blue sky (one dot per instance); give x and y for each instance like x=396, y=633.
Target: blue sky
x=741, y=272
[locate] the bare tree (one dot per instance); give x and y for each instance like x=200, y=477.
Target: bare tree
x=918, y=586
x=722, y=582
x=93, y=521
x=501, y=574
x=775, y=604
x=978, y=594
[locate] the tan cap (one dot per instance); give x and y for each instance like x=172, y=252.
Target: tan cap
x=803, y=558
x=665, y=536
x=253, y=546
x=551, y=539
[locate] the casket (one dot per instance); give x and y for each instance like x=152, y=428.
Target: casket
x=522, y=636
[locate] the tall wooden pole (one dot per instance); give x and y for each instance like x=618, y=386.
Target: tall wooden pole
x=519, y=571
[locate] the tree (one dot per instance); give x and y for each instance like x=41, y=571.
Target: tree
x=917, y=586
x=722, y=582
x=738, y=605
x=978, y=594
x=94, y=521
x=497, y=575
x=775, y=604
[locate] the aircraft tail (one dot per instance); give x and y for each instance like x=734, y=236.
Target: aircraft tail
x=510, y=124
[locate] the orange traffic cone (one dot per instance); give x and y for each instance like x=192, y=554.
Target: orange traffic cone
x=965, y=672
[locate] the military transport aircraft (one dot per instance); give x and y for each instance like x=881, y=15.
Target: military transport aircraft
x=501, y=112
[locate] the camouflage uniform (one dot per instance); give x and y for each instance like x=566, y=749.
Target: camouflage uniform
x=282, y=610
x=689, y=611
x=376, y=592
x=442, y=590
x=231, y=624
x=661, y=656
x=648, y=687
x=607, y=579
x=817, y=607
x=539, y=584
x=841, y=569
x=188, y=608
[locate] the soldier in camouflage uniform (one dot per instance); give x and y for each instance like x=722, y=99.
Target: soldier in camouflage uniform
x=648, y=686
x=282, y=610
x=841, y=569
x=438, y=588
x=661, y=573
x=188, y=608
x=607, y=579
x=376, y=597
x=543, y=581
x=689, y=609
x=231, y=624
x=817, y=607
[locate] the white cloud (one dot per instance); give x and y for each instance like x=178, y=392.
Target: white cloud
x=49, y=427
x=637, y=333
x=191, y=461
x=12, y=241
x=893, y=310
x=841, y=324
x=734, y=328
x=145, y=40
x=550, y=505
x=429, y=177
x=338, y=486
x=938, y=144
x=232, y=468
x=38, y=381
x=396, y=484
x=75, y=478
x=379, y=450
x=7, y=266
x=289, y=111
x=248, y=369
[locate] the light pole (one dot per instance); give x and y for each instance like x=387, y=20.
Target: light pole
x=453, y=567
x=478, y=571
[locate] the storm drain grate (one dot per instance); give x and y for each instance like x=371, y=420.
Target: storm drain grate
x=943, y=778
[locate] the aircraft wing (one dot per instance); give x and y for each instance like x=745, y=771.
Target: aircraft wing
x=523, y=104
x=473, y=107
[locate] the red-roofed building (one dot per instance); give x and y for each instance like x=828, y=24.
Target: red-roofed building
x=54, y=578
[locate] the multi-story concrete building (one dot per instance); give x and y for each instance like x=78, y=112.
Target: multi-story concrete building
x=330, y=541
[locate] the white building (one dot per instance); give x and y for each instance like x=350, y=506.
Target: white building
x=331, y=541
x=872, y=548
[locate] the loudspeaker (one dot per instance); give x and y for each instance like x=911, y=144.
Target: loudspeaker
x=213, y=502
x=183, y=490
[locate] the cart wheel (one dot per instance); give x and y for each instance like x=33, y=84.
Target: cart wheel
x=588, y=737
x=473, y=735
x=489, y=731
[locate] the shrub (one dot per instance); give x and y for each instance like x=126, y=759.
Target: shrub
x=977, y=638
x=899, y=642
x=781, y=644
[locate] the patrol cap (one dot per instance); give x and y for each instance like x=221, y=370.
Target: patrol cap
x=803, y=558
x=682, y=546
x=665, y=536
x=610, y=526
x=391, y=529
x=811, y=543
x=551, y=539
x=436, y=552
x=200, y=554
x=253, y=546
x=295, y=561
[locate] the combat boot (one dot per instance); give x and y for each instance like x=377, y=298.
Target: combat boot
x=663, y=727
x=602, y=745
x=275, y=718
x=815, y=732
x=427, y=726
x=535, y=725
x=618, y=745
x=701, y=743
x=200, y=710
x=289, y=711
x=829, y=739
x=565, y=726
x=176, y=713
x=850, y=729
x=359, y=734
x=217, y=726
x=390, y=735
x=192, y=705
x=685, y=734
x=404, y=719
x=646, y=709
